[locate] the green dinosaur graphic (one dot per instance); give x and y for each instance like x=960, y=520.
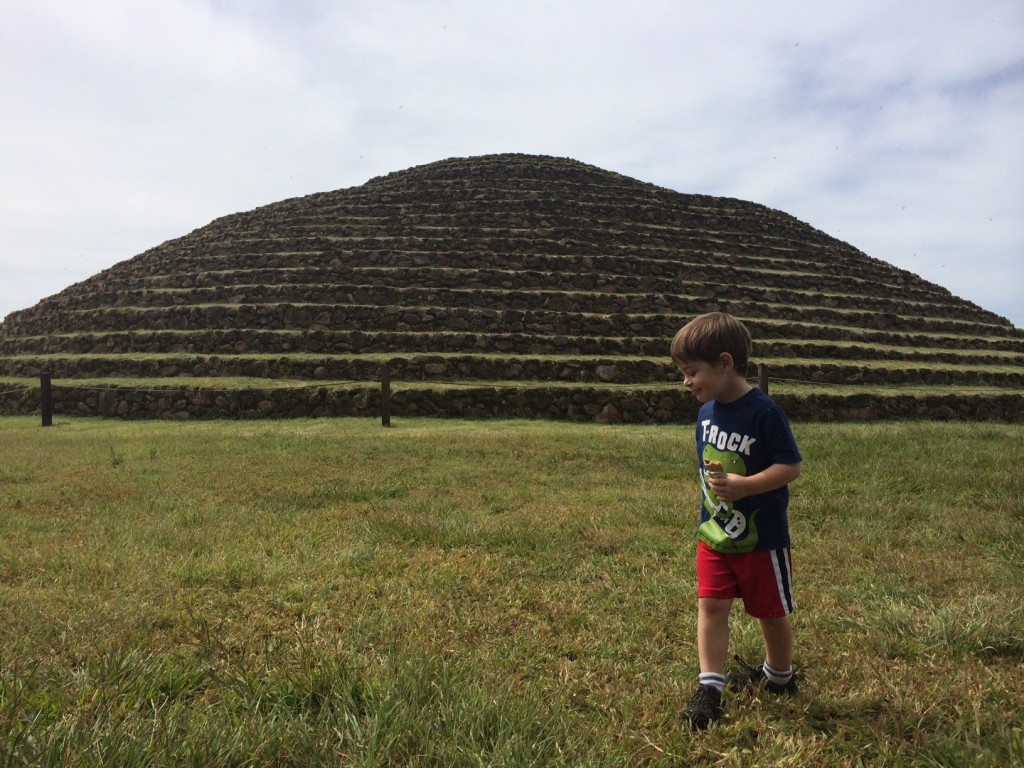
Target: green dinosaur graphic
x=727, y=530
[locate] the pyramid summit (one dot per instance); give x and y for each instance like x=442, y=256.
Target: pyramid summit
x=503, y=285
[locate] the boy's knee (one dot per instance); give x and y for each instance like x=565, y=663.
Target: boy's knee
x=714, y=608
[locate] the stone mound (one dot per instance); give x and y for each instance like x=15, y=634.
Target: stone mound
x=503, y=286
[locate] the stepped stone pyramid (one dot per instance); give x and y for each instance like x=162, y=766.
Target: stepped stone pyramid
x=503, y=286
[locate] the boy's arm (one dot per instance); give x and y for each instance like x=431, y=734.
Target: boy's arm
x=736, y=487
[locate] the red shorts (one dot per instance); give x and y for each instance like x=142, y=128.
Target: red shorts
x=763, y=579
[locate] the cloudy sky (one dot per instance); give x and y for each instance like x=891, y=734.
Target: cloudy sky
x=894, y=125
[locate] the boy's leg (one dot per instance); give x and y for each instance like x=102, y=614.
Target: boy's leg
x=713, y=634
x=778, y=660
x=778, y=642
x=767, y=589
x=716, y=589
x=712, y=648
x=717, y=586
x=776, y=673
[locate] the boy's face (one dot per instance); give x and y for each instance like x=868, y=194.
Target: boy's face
x=709, y=381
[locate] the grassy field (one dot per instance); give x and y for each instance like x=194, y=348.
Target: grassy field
x=490, y=593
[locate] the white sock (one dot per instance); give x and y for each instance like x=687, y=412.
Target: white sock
x=713, y=679
x=778, y=676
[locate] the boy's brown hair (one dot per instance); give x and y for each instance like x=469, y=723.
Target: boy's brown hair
x=705, y=338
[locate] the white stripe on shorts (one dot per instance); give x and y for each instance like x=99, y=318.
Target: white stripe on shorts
x=784, y=578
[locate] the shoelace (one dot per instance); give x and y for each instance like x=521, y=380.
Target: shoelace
x=704, y=697
x=751, y=671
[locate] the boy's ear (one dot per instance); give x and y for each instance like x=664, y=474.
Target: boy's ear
x=725, y=360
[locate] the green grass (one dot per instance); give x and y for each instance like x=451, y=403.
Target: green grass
x=489, y=593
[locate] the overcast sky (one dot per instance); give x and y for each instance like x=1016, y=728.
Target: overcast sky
x=894, y=125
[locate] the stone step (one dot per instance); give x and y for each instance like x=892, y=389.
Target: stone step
x=785, y=337
x=755, y=302
x=439, y=318
x=565, y=402
x=482, y=368
x=573, y=264
x=109, y=292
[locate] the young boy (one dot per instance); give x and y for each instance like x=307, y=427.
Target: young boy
x=743, y=547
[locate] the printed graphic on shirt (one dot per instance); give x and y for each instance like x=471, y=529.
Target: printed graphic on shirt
x=727, y=529
x=724, y=440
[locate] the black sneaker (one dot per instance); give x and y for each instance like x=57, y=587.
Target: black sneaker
x=754, y=677
x=704, y=708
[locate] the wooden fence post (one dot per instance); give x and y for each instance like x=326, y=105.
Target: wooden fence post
x=762, y=377
x=46, y=399
x=385, y=396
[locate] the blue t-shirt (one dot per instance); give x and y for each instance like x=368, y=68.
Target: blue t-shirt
x=747, y=435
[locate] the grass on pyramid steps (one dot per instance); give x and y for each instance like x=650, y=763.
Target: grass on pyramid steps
x=501, y=593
